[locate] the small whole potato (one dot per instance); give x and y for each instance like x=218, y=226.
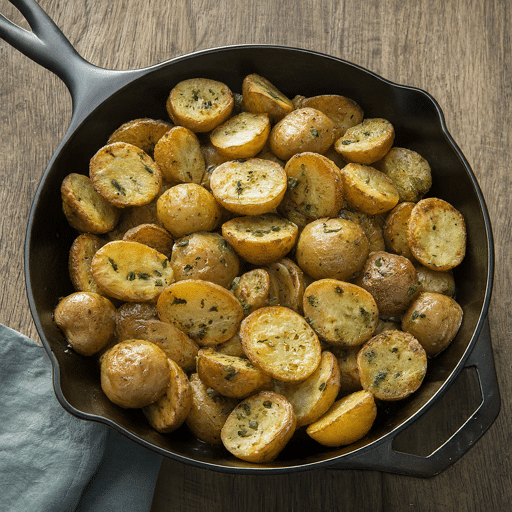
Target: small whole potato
x=332, y=248
x=134, y=373
x=391, y=279
x=433, y=319
x=87, y=320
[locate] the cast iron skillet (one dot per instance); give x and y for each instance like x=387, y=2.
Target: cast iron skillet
x=104, y=99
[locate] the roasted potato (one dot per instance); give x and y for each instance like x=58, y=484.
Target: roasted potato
x=259, y=427
x=134, y=373
x=200, y=104
x=87, y=320
x=392, y=365
x=332, y=248
x=171, y=409
x=232, y=347
x=252, y=289
x=186, y=208
x=304, y=129
x=130, y=311
x=395, y=230
x=151, y=235
x=281, y=343
x=260, y=239
x=366, y=142
x=204, y=255
x=82, y=250
x=179, y=156
x=434, y=320
x=371, y=226
x=349, y=372
x=248, y=187
x=435, y=280
x=85, y=209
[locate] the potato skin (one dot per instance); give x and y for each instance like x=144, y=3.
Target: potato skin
x=433, y=319
x=87, y=320
x=134, y=373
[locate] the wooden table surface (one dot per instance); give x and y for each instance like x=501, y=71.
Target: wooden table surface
x=457, y=50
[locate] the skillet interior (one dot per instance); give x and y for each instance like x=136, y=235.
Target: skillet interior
x=419, y=126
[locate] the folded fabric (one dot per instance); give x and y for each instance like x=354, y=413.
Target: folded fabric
x=53, y=461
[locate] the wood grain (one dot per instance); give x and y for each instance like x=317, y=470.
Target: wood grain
x=457, y=50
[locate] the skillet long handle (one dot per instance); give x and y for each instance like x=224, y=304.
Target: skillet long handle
x=385, y=458
x=49, y=47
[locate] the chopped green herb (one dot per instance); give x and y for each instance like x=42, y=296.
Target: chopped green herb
x=113, y=263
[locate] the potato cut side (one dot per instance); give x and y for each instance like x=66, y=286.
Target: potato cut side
x=371, y=225
x=131, y=271
x=366, y=142
x=260, y=239
x=85, y=209
x=231, y=376
x=143, y=133
x=281, y=343
x=252, y=289
x=286, y=291
x=180, y=158
x=241, y=136
x=314, y=187
x=436, y=233
x=349, y=372
x=125, y=175
x=340, y=313
x=259, y=427
x=249, y=187
x=395, y=230
x=82, y=250
x=392, y=365
x=200, y=104
x=151, y=235
x=206, y=311
x=348, y=420
x=171, y=409
x=260, y=96
x=313, y=397
x=368, y=190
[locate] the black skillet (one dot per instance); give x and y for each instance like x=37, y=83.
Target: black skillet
x=104, y=99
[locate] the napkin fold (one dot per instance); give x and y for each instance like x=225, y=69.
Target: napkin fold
x=51, y=461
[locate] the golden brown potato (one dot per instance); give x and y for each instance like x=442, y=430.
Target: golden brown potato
x=209, y=411
x=134, y=373
x=436, y=234
x=125, y=175
x=304, y=129
x=284, y=285
x=143, y=133
x=205, y=311
x=367, y=189
x=409, y=172
x=298, y=280
x=248, y=187
x=131, y=271
x=260, y=239
x=175, y=343
x=349, y=372
x=343, y=111
x=179, y=156
x=241, y=136
x=130, y=311
x=186, y=208
x=435, y=280
x=434, y=320
x=392, y=365
x=151, y=235
x=366, y=142
x=262, y=97
x=332, y=248
x=204, y=255
x=85, y=209
x=314, y=187
x=259, y=427
x=232, y=347
x=313, y=397
x=87, y=320
x=230, y=376
x=171, y=409
x=340, y=313
x=392, y=281
x=82, y=250
x=395, y=230
x=252, y=289
x=281, y=343
x=348, y=420
x=371, y=226
x=200, y=104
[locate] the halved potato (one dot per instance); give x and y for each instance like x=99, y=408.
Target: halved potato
x=435, y=280
x=371, y=226
x=151, y=235
x=82, y=250
x=281, y=343
x=259, y=427
x=205, y=311
x=131, y=271
x=395, y=230
x=252, y=289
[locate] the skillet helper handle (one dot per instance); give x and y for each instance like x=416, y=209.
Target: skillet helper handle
x=385, y=458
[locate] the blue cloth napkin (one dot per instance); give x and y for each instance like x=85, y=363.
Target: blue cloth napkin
x=51, y=461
